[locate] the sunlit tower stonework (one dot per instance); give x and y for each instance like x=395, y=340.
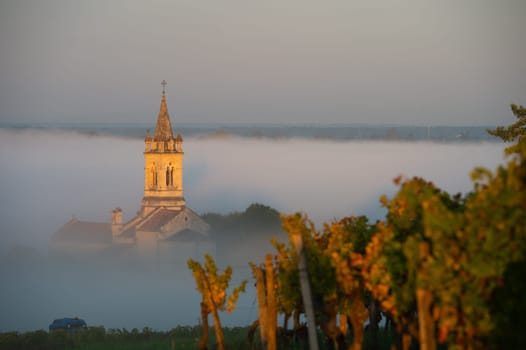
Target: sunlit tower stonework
x=163, y=165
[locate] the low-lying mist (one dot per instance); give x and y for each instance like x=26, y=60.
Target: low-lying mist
x=47, y=176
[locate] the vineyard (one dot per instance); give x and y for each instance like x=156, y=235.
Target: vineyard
x=440, y=271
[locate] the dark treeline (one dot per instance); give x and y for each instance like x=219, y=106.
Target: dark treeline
x=256, y=219
x=180, y=337
x=244, y=236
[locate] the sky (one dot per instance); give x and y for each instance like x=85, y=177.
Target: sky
x=278, y=61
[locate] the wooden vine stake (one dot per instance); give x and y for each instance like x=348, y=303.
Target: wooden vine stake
x=306, y=294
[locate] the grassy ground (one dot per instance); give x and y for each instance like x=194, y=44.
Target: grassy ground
x=98, y=338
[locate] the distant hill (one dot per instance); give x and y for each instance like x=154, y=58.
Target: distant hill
x=275, y=131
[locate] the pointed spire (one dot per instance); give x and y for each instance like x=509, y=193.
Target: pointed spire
x=163, y=130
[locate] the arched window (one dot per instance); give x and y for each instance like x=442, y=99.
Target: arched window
x=170, y=175
x=153, y=173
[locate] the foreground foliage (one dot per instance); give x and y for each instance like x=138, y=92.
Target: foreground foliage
x=444, y=269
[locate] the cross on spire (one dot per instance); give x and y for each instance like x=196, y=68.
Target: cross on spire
x=163, y=83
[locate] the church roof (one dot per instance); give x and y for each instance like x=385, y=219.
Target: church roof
x=163, y=129
x=128, y=232
x=188, y=235
x=158, y=220
x=167, y=222
x=84, y=232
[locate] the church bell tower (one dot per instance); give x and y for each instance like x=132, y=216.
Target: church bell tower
x=163, y=165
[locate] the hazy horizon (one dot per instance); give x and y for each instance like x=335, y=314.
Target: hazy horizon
x=149, y=125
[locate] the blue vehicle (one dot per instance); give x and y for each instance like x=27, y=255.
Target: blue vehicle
x=67, y=324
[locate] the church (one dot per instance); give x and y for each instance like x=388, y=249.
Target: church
x=164, y=227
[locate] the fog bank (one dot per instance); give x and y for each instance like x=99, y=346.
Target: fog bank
x=47, y=176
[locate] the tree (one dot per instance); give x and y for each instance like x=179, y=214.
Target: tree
x=444, y=263
x=306, y=256
x=396, y=268
x=213, y=287
x=346, y=242
x=508, y=305
x=514, y=131
x=333, y=258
